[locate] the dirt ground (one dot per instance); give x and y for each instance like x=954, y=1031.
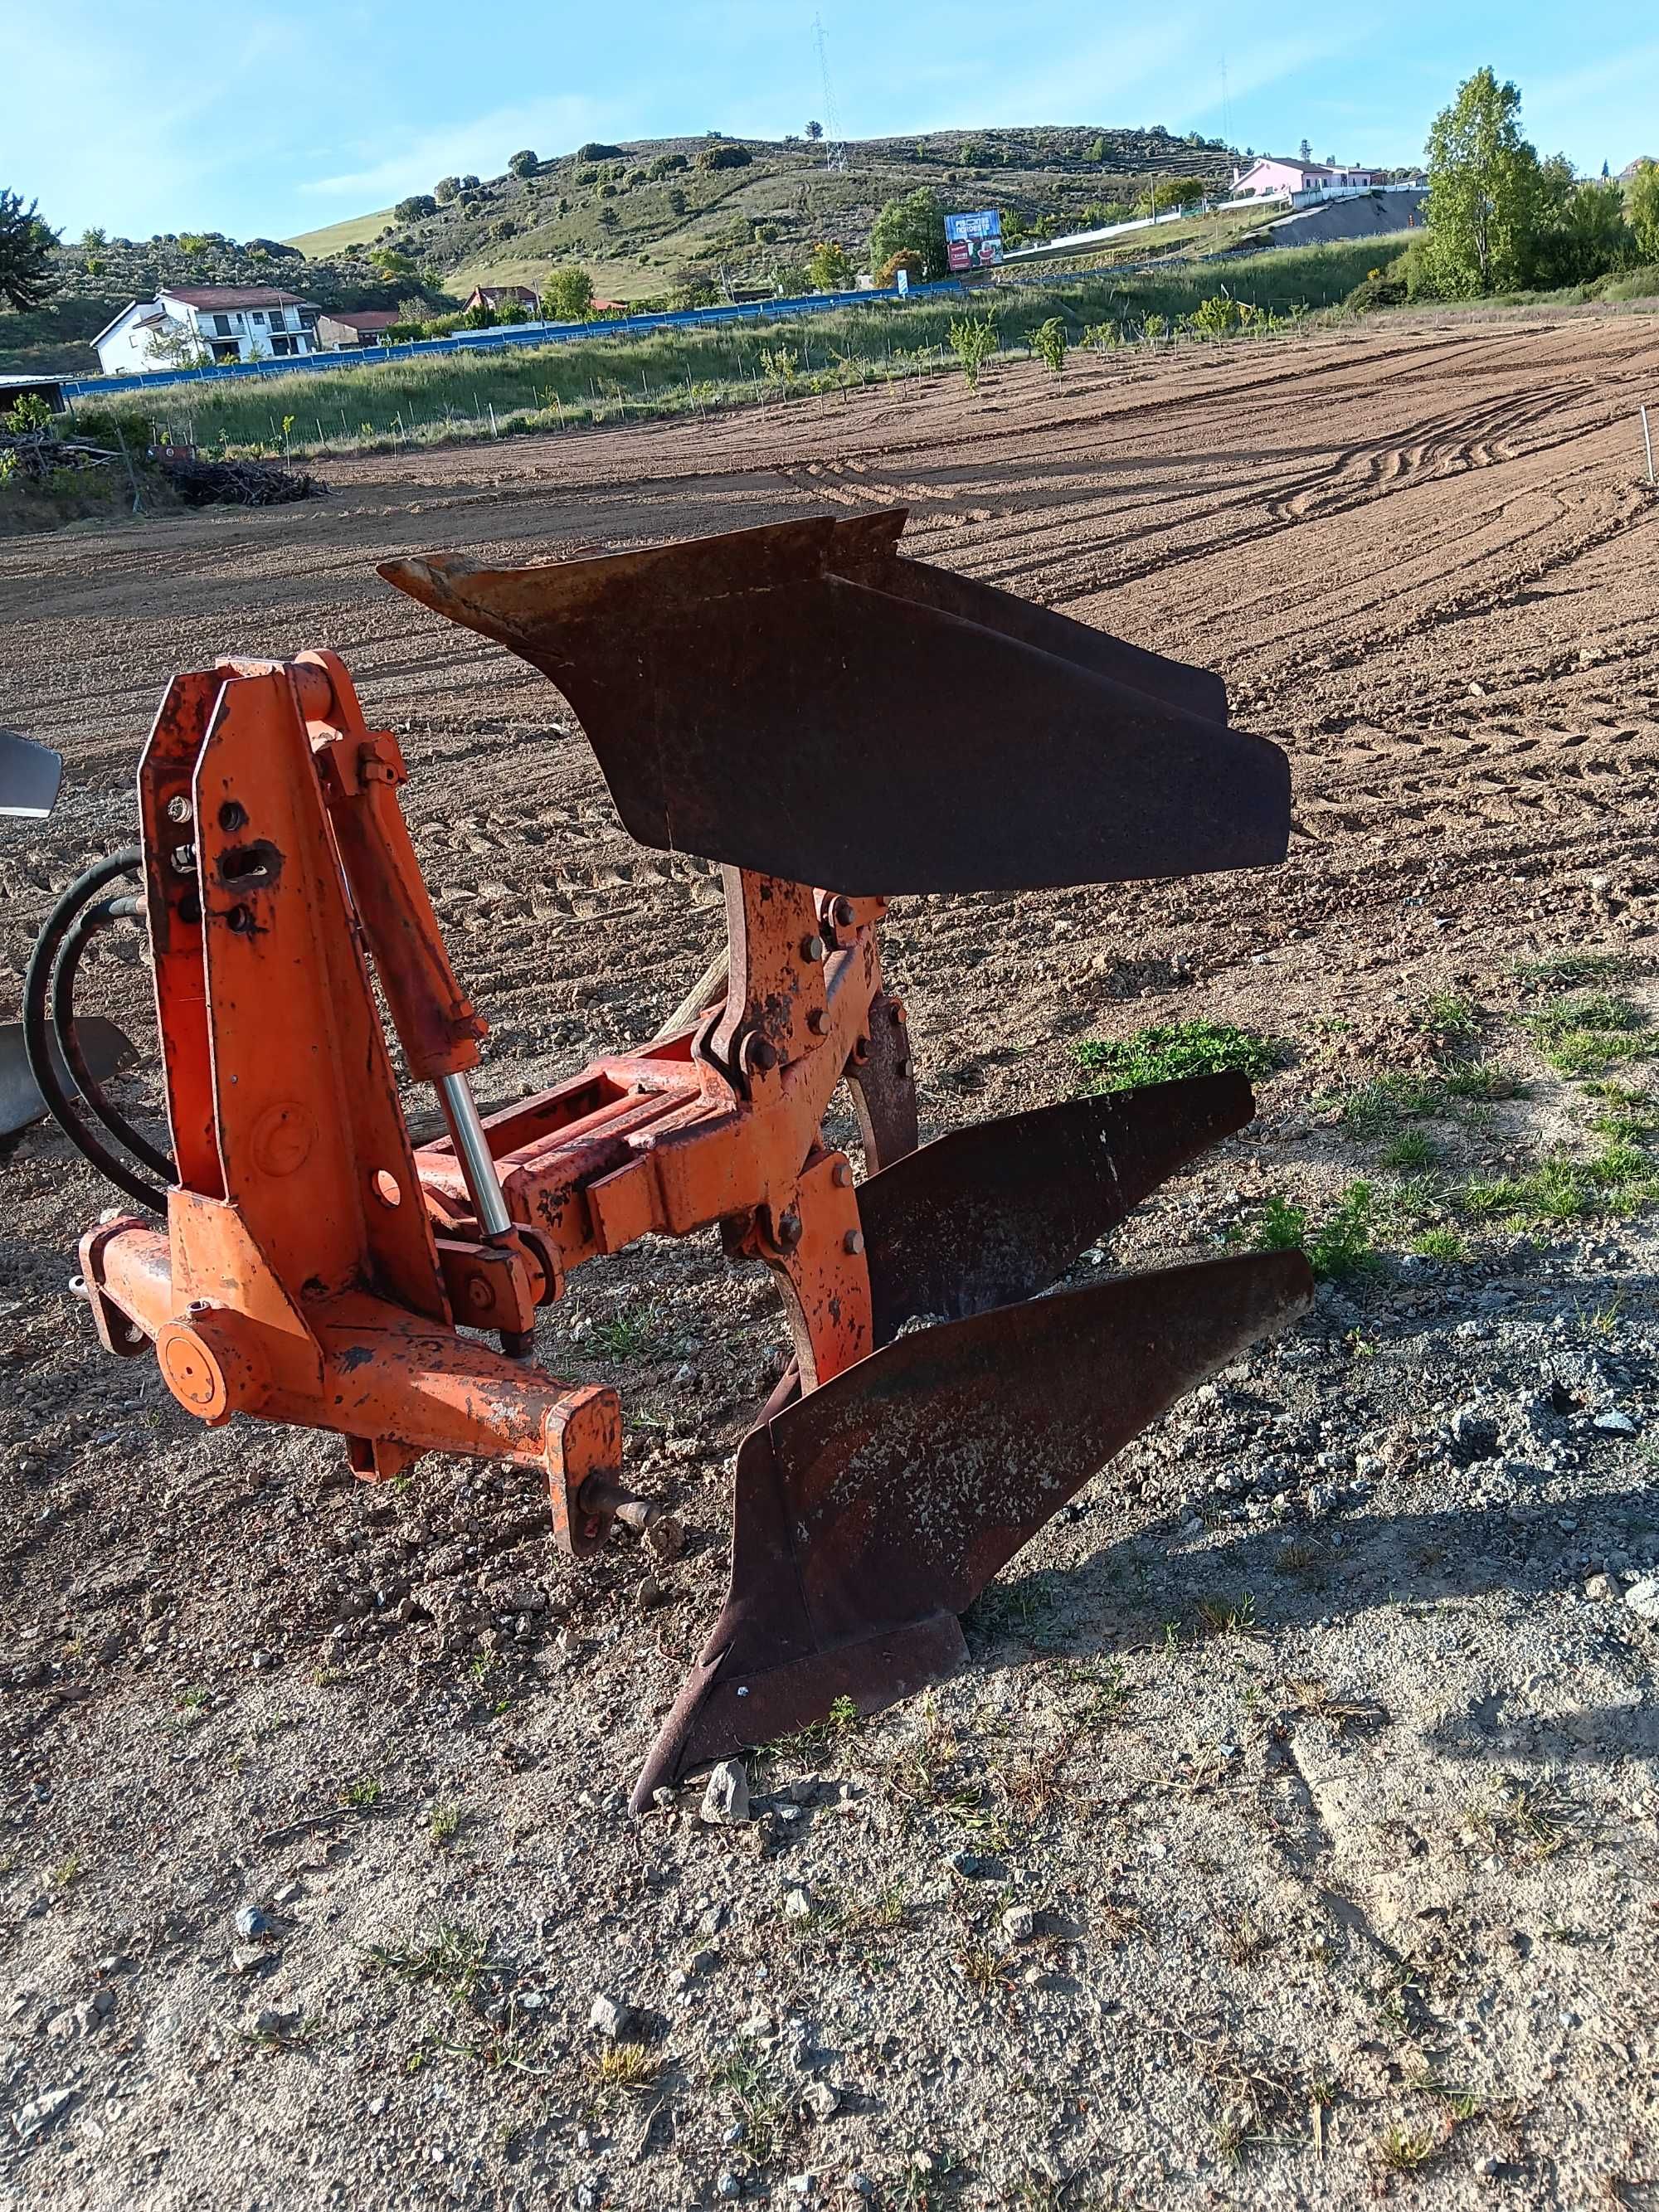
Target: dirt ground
x=1292, y=1836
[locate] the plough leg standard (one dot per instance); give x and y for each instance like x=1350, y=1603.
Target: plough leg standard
x=831, y=723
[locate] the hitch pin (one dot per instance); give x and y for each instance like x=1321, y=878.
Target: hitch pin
x=483, y=1186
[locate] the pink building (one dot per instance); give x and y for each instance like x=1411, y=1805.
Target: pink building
x=1271, y=176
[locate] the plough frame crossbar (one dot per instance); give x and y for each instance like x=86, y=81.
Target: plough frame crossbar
x=319, y=1269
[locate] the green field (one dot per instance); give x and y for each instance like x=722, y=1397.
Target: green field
x=438, y=397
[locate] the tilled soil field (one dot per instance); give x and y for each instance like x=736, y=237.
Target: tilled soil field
x=1292, y=1837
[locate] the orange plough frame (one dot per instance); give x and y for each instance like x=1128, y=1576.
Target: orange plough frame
x=316, y=1268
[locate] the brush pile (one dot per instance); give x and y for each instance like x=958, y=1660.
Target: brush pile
x=238, y=483
x=34, y=453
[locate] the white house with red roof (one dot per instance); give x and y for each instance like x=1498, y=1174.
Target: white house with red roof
x=187, y=324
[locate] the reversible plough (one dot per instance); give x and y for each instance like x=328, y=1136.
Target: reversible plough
x=832, y=723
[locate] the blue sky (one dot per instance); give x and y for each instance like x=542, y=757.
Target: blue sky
x=275, y=118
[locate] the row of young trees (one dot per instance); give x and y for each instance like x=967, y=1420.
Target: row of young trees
x=1500, y=219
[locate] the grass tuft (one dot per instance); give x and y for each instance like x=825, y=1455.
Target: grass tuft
x=1586, y=1032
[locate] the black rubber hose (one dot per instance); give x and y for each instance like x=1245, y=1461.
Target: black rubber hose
x=90, y=920
x=38, y=1031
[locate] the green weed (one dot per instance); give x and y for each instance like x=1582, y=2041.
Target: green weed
x=1166, y=1053
x=1341, y=1246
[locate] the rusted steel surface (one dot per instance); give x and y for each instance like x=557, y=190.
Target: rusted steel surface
x=1000, y=1211
x=891, y=1496
x=848, y=726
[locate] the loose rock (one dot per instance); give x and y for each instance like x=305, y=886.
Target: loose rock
x=726, y=1798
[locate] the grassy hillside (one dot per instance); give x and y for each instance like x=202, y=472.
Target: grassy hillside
x=640, y=226
x=340, y=237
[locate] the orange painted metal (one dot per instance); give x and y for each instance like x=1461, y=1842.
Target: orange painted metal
x=316, y=1269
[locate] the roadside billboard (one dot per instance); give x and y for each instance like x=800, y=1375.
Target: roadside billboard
x=974, y=241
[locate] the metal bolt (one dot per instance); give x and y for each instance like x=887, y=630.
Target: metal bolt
x=841, y=913
x=842, y=1175
x=789, y=1228
x=852, y=1242
x=860, y=1051
x=818, y=1021
x=233, y=815
x=762, y=1053
x=183, y=857
x=477, y=1293
x=811, y=948
x=179, y=808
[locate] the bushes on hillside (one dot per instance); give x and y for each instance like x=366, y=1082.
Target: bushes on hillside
x=415, y=207
x=725, y=156
x=524, y=163
x=596, y=150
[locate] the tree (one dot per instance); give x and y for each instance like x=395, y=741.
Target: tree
x=524, y=163
x=26, y=245
x=1486, y=189
x=1579, y=230
x=725, y=156
x=815, y=131
x=568, y=296
x=1304, y=151
x=916, y=225
x=829, y=267
x=1641, y=209
x=678, y=202
x=447, y=189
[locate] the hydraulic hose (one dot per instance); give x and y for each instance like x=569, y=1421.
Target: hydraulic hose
x=49, y=1019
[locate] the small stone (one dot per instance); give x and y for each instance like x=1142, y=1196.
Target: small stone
x=703, y=1961
x=728, y=2186
x=269, y=2020
x=42, y=2113
x=612, y=2017
x=248, y=1957
x=92, y=2012
x=1020, y=1923
x=725, y=1799
x=1615, y=1423
x=821, y=2100
x=797, y=1904
x=250, y=1922
x=1642, y=1599
x=860, y=2184
x=684, y=1375
x=1599, y=1587
x=802, y=2184
x=1322, y=1497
